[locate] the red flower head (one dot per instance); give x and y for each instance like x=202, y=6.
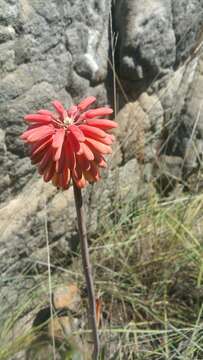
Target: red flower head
x=69, y=144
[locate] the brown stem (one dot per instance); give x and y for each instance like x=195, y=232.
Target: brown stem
x=87, y=267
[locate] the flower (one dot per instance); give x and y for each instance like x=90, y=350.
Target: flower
x=69, y=144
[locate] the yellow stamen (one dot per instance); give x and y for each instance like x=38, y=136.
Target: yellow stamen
x=68, y=120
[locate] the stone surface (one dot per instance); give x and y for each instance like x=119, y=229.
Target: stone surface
x=155, y=35
x=67, y=306
x=62, y=49
x=147, y=39
x=67, y=297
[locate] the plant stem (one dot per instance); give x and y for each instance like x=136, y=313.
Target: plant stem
x=87, y=267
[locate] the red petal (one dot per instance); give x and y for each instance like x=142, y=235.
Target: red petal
x=83, y=162
x=68, y=178
x=38, y=157
x=72, y=111
x=93, y=174
x=64, y=179
x=37, y=134
x=69, y=155
x=107, y=140
x=39, y=146
x=77, y=133
x=88, y=176
x=87, y=152
x=47, y=158
x=102, y=164
x=31, y=130
x=86, y=102
x=38, y=118
x=66, y=161
x=59, y=108
x=92, y=131
x=49, y=171
x=77, y=172
x=60, y=164
x=75, y=145
x=98, y=146
x=100, y=161
x=25, y=135
x=58, y=138
x=94, y=171
x=90, y=114
x=80, y=182
x=57, y=143
x=55, y=179
x=104, y=124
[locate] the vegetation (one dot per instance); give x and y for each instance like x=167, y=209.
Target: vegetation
x=148, y=270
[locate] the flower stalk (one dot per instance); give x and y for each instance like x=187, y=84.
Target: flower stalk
x=87, y=267
x=69, y=146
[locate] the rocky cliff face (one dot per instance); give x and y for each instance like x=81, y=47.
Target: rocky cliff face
x=63, y=50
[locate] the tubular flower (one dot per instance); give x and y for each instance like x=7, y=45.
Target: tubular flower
x=69, y=144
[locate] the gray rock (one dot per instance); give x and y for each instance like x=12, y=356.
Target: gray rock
x=168, y=173
x=6, y=33
x=8, y=12
x=146, y=37
x=155, y=35
x=61, y=50
x=187, y=24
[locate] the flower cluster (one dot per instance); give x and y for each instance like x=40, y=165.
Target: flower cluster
x=69, y=144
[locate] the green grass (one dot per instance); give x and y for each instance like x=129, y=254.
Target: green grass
x=148, y=269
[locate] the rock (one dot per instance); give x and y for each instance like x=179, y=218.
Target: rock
x=62, y=50
x=184, y=130
x=67, y=297
x=168, y=172
x=140, y=125
x=155, y=36
x=64, y=326
x=146, y=37
x=187, y=24
x=6, y=33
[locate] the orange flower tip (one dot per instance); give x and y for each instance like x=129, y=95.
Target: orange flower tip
x=97, y=177
x=103, y=164
x=81, y=183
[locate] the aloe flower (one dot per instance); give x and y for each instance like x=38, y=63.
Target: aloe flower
x=69, y=144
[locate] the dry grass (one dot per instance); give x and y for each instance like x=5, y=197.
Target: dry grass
x=148, y=268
